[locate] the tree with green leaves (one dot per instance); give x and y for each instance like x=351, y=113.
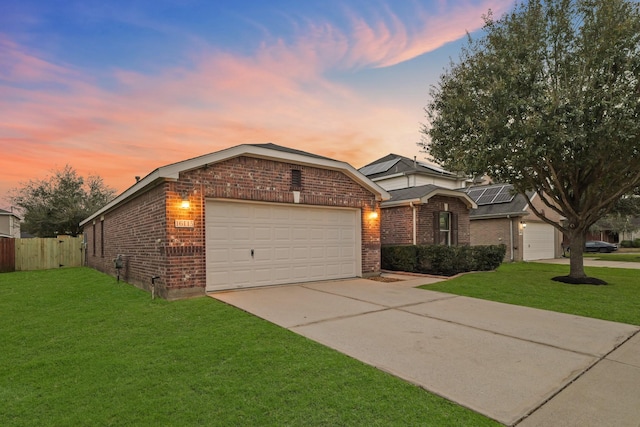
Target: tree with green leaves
x=56, y=205
x=621, y=218
x=547, y=98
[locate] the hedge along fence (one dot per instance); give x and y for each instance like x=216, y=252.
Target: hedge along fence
x=442, y=260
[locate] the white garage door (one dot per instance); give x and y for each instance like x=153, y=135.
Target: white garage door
x=539, y=242
x=257, y=244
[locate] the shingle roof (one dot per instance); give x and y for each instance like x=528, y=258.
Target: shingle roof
x=515, y=206
x=425, y=192
x=392, y=164
x=276, y=147
x=412, y=192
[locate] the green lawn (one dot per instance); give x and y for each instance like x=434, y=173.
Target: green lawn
x=623, y=257
x=79, y=349
x=530, y=284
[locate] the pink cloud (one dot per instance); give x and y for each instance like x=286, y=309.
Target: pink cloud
x=56, y=114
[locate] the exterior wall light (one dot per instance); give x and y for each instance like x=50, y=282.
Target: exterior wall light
x=524, y=224
x=373, y=215
x=185, y=200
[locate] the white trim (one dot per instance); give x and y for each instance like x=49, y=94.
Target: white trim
x=172, y=172
x=526, y=206
x=436, y=192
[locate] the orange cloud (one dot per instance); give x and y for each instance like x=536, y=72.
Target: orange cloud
x=52, y=114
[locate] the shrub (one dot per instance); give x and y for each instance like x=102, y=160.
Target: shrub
x=399, y=258
x=437, y=259
x=442, y=260
x=488, y=257
x=636, y=243
x=626, y=244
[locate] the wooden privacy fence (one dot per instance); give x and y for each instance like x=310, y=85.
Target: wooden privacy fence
x=44, y=254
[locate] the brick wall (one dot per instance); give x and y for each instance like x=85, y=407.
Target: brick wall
x=495, y=231
x=396, y=225
x=136, y=230
x=144, y=228
x=397, y=222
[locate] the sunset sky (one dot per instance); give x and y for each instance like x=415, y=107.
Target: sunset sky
x=118, y=88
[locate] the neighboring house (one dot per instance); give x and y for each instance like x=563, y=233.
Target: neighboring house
x=250, y=215
x=393, y=172
x=425, y=207
x=9, y=225
x=606, y=233
x=503, y=217
x=426, y=215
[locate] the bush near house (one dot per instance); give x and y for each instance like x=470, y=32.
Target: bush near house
x=442, y=260
x=630, y=243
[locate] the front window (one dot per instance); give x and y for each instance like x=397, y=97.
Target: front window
x=445, y=228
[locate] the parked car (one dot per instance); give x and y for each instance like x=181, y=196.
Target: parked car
x=599, y=246
x=593, y=246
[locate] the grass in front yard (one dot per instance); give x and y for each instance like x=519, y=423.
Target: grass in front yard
x=80, y=349
x=530, y=284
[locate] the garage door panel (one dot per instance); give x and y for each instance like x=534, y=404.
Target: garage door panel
x=240, y=232
x=346, y=254
x=317, y=252
x=219, y=254
x=262, y=213
x=300, y=253
x=239, y=255
x=219, y=232
x=262, y=233
x=290, y=243
x=282, y=233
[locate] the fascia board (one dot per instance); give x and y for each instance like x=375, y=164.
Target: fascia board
x=451, y=193
x=499, y=215
x=406, y=202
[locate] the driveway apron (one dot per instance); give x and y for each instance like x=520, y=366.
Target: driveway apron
x=513, y=364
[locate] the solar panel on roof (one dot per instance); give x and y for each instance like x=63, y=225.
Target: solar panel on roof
x=492, y=191
x=474, y=194
x=435, y=168
x=491, y=195
x=379, y=167
x=485, y=199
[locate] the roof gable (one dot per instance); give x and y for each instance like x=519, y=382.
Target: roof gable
x=269, y=151
x=422, y=194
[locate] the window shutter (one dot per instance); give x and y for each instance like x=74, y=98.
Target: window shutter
x=454, y=228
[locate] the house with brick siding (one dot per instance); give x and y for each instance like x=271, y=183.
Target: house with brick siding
x=250, y=215
x=426, y=215
x=504, y=217
x=427, y=204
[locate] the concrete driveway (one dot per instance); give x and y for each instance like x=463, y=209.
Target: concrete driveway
x=514, y=364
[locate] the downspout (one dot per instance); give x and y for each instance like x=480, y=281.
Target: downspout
x=413, y=207
x=511, y=234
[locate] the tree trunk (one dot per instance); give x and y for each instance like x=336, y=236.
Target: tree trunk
x=576, y=263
